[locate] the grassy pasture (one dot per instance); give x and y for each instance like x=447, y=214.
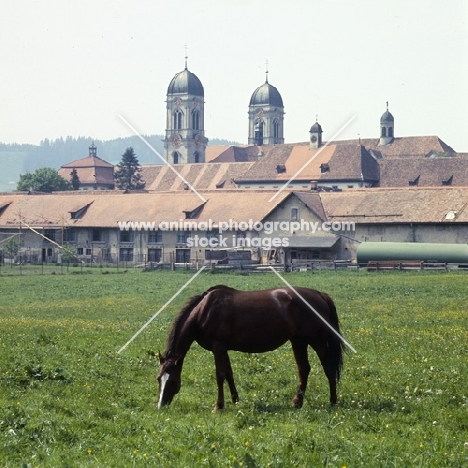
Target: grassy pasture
x=68, y=399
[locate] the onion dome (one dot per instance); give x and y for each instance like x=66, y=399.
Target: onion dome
x=316, y=128
x=266, y=95
x=186, y=82
x=387, y=117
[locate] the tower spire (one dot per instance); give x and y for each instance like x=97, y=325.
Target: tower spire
x=266, y=71
x=186, y=55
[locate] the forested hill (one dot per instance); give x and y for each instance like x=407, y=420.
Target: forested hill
x=16, y=159
x=55, y=153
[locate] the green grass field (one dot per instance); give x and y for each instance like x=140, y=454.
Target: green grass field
x=68, y=399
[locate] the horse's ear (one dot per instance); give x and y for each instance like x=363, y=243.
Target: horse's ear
x=161, y=359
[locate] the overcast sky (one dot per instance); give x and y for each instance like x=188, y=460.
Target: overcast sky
x=70, y=68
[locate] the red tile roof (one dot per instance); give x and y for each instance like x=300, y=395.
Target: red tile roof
x=106, y=208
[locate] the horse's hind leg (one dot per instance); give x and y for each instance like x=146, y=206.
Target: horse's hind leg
x=322, y=354
x=299, y=346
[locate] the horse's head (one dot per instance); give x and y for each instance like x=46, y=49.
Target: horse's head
x=169, y=379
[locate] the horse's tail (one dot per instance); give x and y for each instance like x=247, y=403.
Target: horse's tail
x=335, y=345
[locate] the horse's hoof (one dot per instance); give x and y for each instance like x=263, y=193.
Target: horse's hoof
x=297, y=403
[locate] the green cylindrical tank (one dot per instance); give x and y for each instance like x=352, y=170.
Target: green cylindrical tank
x=426, y=252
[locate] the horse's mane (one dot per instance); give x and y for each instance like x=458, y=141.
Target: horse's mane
x=183, y=315
x=219, y=286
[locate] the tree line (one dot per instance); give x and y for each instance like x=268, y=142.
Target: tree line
x=56, y=153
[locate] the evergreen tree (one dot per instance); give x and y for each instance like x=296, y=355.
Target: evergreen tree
x=75, y=180
x=127, y=176
x=44, y=179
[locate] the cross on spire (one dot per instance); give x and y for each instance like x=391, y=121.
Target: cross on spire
x=186, y=55
x=266, y=71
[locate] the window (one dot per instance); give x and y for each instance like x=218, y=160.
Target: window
x=96, y=235
x=50, y=234
x=212, y=234
x=275, y=130
x=447, y=181
x=384, y=131
x=154, y=237
x=259, y=133
x=126, y=254
x=196, y=157
x=177, y=120
x=324, y=167
x=88, y=251
x=175, y=157
x=390, y=132
x=69, y=235
x=79, y=251
x=182, y=255
x=183, y=236
x=154, y=255
x=126, y=236
x=240, y=236
x=196, y=120
x=294, y=214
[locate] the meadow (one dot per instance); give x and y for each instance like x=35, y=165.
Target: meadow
x=69, y=399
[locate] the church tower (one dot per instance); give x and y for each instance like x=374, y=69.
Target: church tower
x=387, y=125
x=185, y=140
x=266, y=115
x=315, y=136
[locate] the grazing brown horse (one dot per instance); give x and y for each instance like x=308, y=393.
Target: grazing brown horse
x=223, y=318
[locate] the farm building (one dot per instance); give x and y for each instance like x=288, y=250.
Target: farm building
x=93, y=172
x=229, y=225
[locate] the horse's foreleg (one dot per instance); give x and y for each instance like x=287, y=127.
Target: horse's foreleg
x=230, y=380
x=223, y=372
x=299, y=347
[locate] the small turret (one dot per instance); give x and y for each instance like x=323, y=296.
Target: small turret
x=315, y=136
x=93, y=150
x=387, y=124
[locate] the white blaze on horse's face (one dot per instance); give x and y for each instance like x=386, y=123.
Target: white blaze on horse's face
x=164, y=379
